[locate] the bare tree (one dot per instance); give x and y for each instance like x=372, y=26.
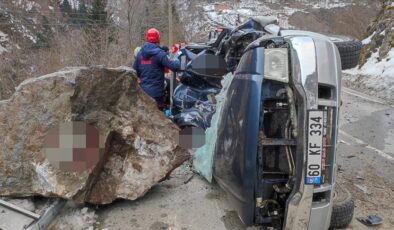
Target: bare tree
x=132, y=8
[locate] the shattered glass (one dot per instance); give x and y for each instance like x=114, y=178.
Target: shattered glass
x=203, y=160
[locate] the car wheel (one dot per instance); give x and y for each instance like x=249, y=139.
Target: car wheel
x=349, y=49
x=343, y=207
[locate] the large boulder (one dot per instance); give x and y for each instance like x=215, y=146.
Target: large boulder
x=86, y=134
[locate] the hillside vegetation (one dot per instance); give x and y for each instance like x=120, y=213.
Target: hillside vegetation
x=41, y=36
x=380, y=34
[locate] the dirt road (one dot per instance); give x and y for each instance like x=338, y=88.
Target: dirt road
x=366, y=159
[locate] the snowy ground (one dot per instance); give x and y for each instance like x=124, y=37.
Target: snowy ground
x=375, y=77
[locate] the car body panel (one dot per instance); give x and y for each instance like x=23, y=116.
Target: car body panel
x=304, y=80
x=310, y=51
x=329, y=73
x=314, y=84
x=236, y=148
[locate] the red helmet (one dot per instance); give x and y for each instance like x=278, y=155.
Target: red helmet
x=153, y=36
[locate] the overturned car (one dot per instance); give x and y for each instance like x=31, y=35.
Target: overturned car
x=275, y=131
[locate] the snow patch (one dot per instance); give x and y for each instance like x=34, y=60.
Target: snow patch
x=26, y=4
x=327, y=5
x=368, y=39
x=3, y=42
x=26, y=33
x=208, y=8
x=375, y=76
x=376, y=67
x=76, y=218
x=18, y=26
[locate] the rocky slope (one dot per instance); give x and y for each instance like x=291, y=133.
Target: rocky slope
x=375, y=74
x=380, y=34
x=350, y=19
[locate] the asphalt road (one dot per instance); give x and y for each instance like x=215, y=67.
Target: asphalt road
x=366, y=156
x=365, y=162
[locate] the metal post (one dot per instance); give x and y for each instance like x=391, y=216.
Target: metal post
x=19, y=209
x=48, y=216
x=170, y=29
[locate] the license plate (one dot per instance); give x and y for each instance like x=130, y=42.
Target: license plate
x=315, y=146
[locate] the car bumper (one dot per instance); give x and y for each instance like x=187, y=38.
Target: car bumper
x=316, y=81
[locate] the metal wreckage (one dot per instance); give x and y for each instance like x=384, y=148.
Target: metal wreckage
x=268, y=100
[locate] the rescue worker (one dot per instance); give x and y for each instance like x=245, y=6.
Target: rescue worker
x=150, y=64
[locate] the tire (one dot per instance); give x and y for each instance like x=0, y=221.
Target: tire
x=349, y=49
x=343, y=208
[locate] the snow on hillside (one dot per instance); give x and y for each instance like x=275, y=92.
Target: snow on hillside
x=26, y=4
x=375, y=77
x=19, y=25
x=208, y=16
x=3, y=42
x=203, y=16
x=21, y=21
x=333, y=4
x=375, y=74
x=226, y=13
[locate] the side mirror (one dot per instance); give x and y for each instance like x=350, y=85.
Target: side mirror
x=208, y=65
